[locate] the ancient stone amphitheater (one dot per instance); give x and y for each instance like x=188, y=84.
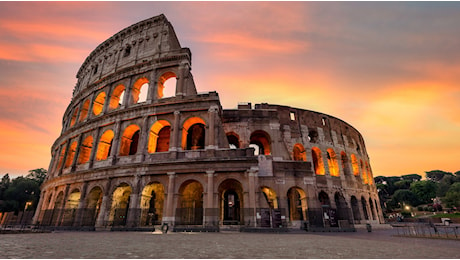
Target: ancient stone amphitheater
x=141, y=147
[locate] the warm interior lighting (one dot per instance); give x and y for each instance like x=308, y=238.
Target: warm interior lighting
x=270, y=196
x=116, y=99
x=332, y=163
x=139, y=90
x=99, y=103
x=167, y=85
x=84, y=111
x=85, y=150
x=354, y=165
x=74, y=117
x=318, y=163
x=129, y=140
x=104, y=146
x=70, y=154
x=299, y=153
x=195, y=137
x=159, y=136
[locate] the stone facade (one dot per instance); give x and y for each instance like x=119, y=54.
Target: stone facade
x=130, y=156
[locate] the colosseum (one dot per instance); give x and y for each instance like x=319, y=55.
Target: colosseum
x=140, y=148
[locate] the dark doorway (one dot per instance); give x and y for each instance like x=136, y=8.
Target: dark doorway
x=231, y=208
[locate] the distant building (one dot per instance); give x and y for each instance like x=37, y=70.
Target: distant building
x=130, y=156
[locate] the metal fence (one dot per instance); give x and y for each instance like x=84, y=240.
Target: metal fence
x=427, y=230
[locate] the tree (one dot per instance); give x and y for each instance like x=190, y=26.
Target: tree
x=452, y=198
x=404, y=197
x=20, y=191
x=38, y=175
x=444, y=185
x=402, y=185
x=4, y=184
x=411, y=177
x=424, y=190
x=436, y=175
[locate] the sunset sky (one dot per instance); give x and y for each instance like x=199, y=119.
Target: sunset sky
x=390, y=69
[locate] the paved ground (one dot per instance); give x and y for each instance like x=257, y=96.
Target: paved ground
x=361, y=244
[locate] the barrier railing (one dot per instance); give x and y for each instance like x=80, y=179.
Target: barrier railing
x=427, y=230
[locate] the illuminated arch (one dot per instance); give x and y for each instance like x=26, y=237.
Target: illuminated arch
x=318, y=163
x=152, y=202
x=193, y=134
x=364, y=173
x=233, y=140
x=299, y=153
x=116, y=99
x=163, y=90
x=84, y=111
x=191, y=203
x=105, y=145
x=159, y=137
x=140, y=90
x=98, y=104
x=261, y=141
x=74, y=117
x=85, y=150
x=61, y=156
x=270, y=197
x=369, y=174
x=70, y=154
x=120, y=203
x=130, y=140
x=73, y=199
x=332, y=163
x=297, y=201
x=354, y=165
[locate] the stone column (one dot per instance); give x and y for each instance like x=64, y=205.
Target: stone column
x=81, y=206
x=67, y=147
x=60, y=218
x=76, y=154
x=134, y=204
x=108, y=94
x=275, y=148
x=176, y=131
x=252, y=174
x=181, y=79
x=209, y=217
x=144, y=138
x=39, y=208
x=94, y=148
x=103, y=214
x=211, y=135
x=116, y=142
x=169, y=218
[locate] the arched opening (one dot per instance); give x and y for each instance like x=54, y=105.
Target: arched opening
x=152, y=201
x=355, y=209
x=61, y=156
x=130, y=140
x=233, y=140
x=71, y=207
x=140, y=90
x=270, y=197
x=58, y=209
x=84, y=111
x=371, y=208
x=120, y=204
x=193, y=134
x=328, y=214
x=363, y=204
x=261, y=141
x=369, y=174
x=85, y=150
x=98, y=104
x=341, y=205
x=105, y=145
x=74, y=117
x=332, y=163
x=297, y=201
x=299, y=153
x=354, y=165
x=313, y=136
x=318, y=163
x=159, y=137
x=364, y=173
x=190, y=208
x=117, y=97
x=345, y=165
x=167, y=85
x=231, y=202
x=324, y=199
x=93, y=207
x=70, y=154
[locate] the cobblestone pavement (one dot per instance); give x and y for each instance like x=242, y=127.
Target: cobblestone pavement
x=361, y=244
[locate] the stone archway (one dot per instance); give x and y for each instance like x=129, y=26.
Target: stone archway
x=93, y=207
x=120, y=205
x=297, y=201
x=231, y=202
x=152, y=203
x=190, y=208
